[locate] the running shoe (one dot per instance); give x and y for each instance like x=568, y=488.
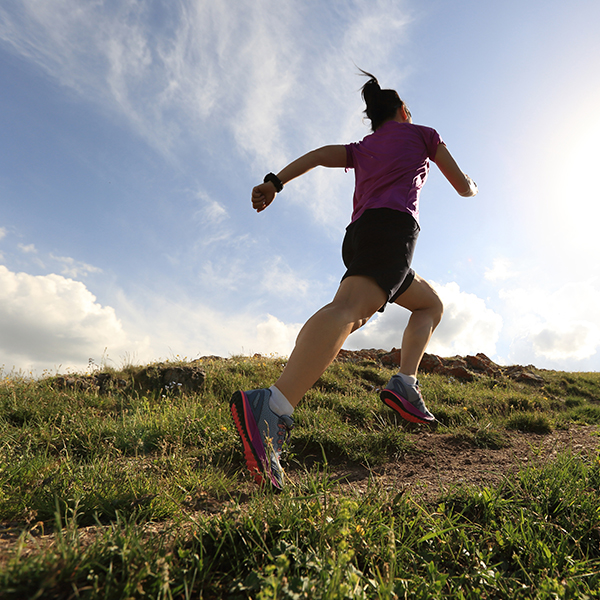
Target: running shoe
x=406, y=400
x=263, y=434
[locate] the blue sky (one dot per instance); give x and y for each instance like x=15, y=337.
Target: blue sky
x=132, y=134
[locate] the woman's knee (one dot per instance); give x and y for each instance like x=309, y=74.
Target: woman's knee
x=432, y=302
x=421, y=296
x=437, y=308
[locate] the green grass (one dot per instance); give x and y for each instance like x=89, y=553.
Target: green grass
x=143, y=494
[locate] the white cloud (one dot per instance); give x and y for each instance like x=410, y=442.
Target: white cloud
x=50, y=320
x=213, y=212
x=575, y=341
x=54, y=323
x=467, y=327
x=559, y=325
x=276, y=337
x=200, y=65
x=191, y=329
x=213, y=223
x=265, y=66
x=3, y=232
x=27, y=249
x=501, y=270
x=280, y=280
x=74, y=268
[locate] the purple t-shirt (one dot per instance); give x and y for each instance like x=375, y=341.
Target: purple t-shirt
x=391, y=166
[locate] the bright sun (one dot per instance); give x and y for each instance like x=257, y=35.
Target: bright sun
x=582, y=167
x=571, y=188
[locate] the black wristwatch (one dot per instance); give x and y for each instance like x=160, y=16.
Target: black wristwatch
x=274, y=180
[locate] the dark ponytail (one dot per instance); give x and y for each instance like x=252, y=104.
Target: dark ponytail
x=381, y=105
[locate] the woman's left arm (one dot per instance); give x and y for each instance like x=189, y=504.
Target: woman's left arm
x=326, y=156
x=460, y=181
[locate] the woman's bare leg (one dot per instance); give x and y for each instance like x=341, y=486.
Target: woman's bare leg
x=426, y=308
x=321, y=338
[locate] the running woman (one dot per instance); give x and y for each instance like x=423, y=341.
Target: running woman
x=391, y=166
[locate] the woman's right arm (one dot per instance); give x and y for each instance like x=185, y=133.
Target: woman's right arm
x=461, y=182
x=327, y=156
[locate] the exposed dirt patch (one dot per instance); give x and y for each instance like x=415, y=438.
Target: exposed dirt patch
x=442, y=462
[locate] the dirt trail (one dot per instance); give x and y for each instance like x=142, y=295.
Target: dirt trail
x=442, y=463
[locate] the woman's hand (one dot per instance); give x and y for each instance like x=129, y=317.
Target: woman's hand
x=472, y=191
x=262, y=196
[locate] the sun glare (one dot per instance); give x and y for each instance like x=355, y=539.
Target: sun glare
x=582, y=167
x=571, y=190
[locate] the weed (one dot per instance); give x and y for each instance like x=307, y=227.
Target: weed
x=529, y=422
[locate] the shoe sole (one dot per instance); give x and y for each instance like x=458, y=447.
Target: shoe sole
x=396, y=403
x=255, y=455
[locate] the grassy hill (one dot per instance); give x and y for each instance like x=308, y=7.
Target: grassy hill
x=131, y=484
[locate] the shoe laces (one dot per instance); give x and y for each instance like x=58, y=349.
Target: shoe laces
x=285, y=425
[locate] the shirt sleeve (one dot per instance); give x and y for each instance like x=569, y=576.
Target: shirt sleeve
x=349, y=157
x=433, y=140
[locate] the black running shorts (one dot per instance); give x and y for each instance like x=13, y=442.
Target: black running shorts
x=380, y=244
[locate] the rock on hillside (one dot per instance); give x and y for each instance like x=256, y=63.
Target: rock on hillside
x=159, y=378
x=466, y=368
